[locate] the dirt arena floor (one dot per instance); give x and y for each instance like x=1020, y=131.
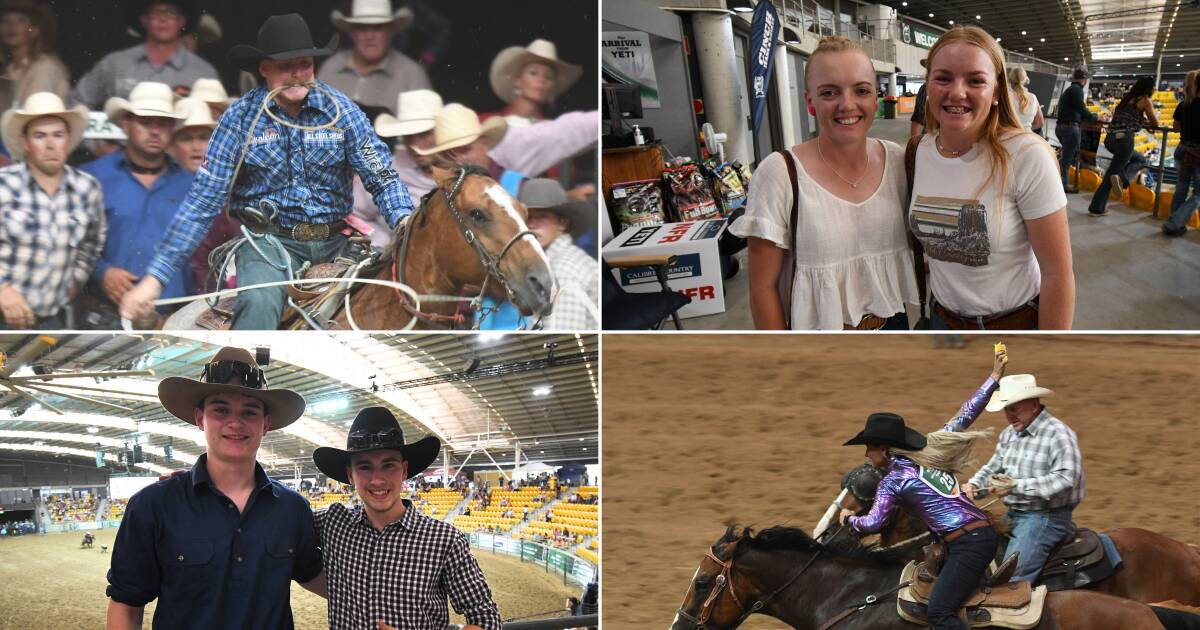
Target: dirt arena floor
x=50, y=582
x=699, y=429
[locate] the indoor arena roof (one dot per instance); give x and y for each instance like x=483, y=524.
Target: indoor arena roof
x=481, y=394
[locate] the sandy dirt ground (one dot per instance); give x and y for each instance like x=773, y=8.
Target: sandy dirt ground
x=699, y=429
x=50, y=582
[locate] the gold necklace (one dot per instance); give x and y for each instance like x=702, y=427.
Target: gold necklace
x=853, y=184
x=938, y=141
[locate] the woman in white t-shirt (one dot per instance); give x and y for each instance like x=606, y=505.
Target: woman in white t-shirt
x=1029, y=110
x=987, y=203
x=851, y=266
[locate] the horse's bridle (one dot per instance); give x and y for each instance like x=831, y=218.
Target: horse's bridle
x=490, y=263
x=725, y=578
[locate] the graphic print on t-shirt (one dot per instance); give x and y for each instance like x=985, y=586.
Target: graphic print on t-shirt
x=952, y=230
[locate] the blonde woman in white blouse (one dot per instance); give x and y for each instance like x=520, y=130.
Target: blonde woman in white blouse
x=852, y=266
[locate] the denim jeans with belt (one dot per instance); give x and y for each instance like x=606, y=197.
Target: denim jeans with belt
x=1034, y=534
x=1185, y=201
x=1122, y=154
x=1068, y=136
x=260, y=309
x=967, y=557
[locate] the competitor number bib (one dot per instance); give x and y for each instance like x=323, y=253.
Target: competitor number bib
x=940, y=481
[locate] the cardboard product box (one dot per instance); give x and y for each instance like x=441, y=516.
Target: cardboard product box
x=696, y=273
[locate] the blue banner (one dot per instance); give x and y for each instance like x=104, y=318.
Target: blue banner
x=764, y=29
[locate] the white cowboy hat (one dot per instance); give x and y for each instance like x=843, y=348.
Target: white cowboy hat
x=211, y=91
x=417, y=110
x=458, y=125
x=1016, y=388
x=509, y=62
x=148, y=98
x=37, y=105
x=195, y=113
x=372, y=12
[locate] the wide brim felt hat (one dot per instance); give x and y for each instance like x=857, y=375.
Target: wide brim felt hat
x=196, y=114
x=333, y=462
x=182, y=396
x=508, y=64
x=416, y=112
x=148, y=98
x=42, y=16
x=458, y=125
x=1014, y=389
x=888, y=429
x=281, y=37
x=135, y=9
x=372, y=12
x=40, y=105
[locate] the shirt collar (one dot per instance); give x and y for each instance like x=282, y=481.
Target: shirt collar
x=407, y=521
x=199, y=475
x=124, y=164
x=384, y=67
x=1034, y=427
x=175, y=60
x=67, y=185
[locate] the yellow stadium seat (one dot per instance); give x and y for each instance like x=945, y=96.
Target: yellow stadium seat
x=1164, y=204
x=1089, y=180
x=1194, y=222
x=1141, y=198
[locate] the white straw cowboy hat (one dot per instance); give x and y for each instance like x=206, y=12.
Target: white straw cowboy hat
x=211, y=91
x=458, y=125
x=39, y=105
x=1016, y=388
x=233, y=371
x=148, y=98
x=507, y=65
x=372, y=12
x=416, y=109
x=195, y=114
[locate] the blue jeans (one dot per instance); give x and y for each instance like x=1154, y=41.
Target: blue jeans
x=260, y=309
x=1184, y=204
x=1122, y=161
x=1068, y=136
x=966, y=560
x=1034, y=534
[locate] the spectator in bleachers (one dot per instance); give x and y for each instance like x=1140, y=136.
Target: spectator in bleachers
x=371, y=72
x=52, y=226
x=427, y=560
x=189, y=142
x=529, y=79
x=189, y=518
x=212, y=92
x=550, y=216
x=161, y=57
x=27, y=33
x=143, y=188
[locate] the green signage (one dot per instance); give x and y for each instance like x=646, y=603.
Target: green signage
x=916, y=36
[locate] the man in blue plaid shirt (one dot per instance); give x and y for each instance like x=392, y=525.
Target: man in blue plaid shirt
x=1041, y=455
x=298, y=180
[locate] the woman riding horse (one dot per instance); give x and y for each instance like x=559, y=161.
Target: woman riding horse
x=921, y=474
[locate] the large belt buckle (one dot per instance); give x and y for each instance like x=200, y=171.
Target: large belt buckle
x=310, y=231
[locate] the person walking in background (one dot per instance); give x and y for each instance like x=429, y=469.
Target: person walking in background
x=1133, y=112
x=1187, y=158
x=1071, y=111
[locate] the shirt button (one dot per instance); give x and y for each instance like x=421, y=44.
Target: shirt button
x=231, y=506
x=239, y=558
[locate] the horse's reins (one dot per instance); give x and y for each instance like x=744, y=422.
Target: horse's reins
x=490, y=263
x=725, y=578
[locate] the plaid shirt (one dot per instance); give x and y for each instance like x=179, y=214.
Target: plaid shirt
x=401, y=575
x=1044, y=460
x=576, y=274
x=49, y=244
x=306, y=174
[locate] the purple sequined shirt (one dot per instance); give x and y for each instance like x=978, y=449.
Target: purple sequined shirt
x=934, y=495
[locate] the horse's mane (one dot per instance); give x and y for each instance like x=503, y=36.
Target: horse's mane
x=781, y=538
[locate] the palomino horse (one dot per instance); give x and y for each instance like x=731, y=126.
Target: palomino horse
x=783, y=573
x=468, y=232
x=1154, y=568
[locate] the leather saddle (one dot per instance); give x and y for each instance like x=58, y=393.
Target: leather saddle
x=1077, y=561
x=220, y=316
x=995, y=603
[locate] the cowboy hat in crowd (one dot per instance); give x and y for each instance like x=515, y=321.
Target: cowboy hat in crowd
x=1014, y=389
x=508, y=63
x=40, y=105
x=372, y=12
x=416, y=112
x=148, y=98
x=458, y=125
x=543, y=193
x=232, y=371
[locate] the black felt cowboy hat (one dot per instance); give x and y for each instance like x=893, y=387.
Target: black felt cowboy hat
x=888, y=429
x=280, y=38
x=231, y=370
x=135, y=9
x=376, y=429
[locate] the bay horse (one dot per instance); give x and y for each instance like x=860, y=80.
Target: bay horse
x=1155, y=568
x=783, y=573
x=467, y=232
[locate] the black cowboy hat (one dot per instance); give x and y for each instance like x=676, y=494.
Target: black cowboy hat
x=135, y=9
x=281, y=37
x=376, y=429
x=231, y=370
x=888, y=429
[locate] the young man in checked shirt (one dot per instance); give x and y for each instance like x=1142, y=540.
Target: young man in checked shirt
x=1041, y=454
x=386, y=564
x=298, y=180
x=550, y=215
x=52, y=225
